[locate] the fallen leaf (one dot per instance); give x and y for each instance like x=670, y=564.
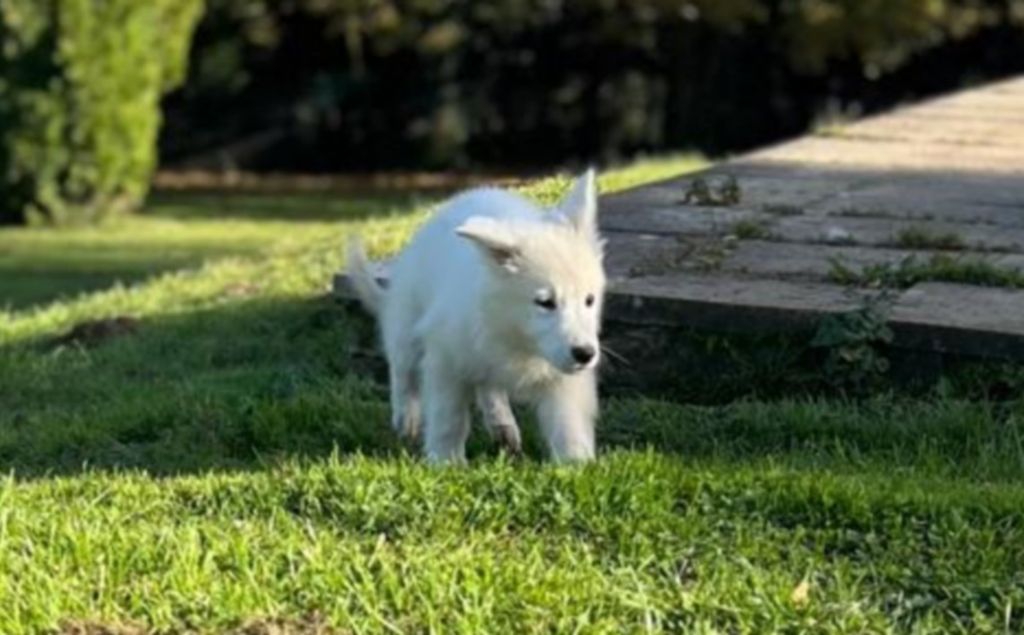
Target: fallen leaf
x=801, y=595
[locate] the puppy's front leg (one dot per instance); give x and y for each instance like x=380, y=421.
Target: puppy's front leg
x=566, y=412
x=446, y=410
x=499, y=419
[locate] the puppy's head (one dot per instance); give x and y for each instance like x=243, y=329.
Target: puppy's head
x=547, y=278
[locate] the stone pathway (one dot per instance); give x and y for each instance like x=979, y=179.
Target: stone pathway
x=933, y=192
x=926, y=202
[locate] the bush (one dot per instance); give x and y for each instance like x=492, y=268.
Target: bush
x=337, y=84
x=80, y=89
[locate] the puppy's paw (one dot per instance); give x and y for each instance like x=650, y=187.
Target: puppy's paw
x=509, y=438
x=406, y=423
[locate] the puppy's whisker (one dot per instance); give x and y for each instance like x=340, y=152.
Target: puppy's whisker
x=614, y=355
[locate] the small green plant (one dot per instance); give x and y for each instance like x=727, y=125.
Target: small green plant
x=853, y=343
x=783, y=209
x=750, y=230
x=938, y=268
x=725, y=193
x=710, y=257
x=857, y=212
x=835, y=120
x=877, y=212
x=660, y=262
x=919, y=237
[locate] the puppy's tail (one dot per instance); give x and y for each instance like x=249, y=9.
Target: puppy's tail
x=367, y=289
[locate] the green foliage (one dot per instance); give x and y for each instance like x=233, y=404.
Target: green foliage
x=853, y=343
x=725, y=192
x=782, y=209
x=327, y=84
x=938, y=268
x=80, y=85
x=921, y=237
x=750, y=230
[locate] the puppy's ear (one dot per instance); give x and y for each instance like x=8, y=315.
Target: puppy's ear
x=579, y=206
x=494, y=239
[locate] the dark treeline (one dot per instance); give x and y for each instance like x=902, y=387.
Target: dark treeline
x=317, y=85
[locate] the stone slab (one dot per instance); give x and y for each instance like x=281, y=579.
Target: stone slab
x=678, y=220
x=763, y=259
x=760, y=188
x=629, y=254
x=890, y=232
x=922, y=129
x=893, y=155
x=896, y=206
x=963, y=319
x=902, y=189
x=725, y=303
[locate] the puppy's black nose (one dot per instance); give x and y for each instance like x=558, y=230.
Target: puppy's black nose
x=583, y=354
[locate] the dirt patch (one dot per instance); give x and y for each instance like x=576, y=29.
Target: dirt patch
x=90, y=628
x=312, y=625
x=95, y=332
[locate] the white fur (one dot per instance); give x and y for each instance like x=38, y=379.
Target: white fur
x=463, y=320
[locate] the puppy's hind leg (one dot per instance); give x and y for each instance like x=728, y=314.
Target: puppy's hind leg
x=499, y=419
x=405, y=355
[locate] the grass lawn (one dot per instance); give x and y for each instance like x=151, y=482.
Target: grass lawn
x=227, y=467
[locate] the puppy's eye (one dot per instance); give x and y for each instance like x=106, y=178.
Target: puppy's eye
x=590, y=300
x=546, y=302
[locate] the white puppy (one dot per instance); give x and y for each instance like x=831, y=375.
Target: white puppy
x=494, y=297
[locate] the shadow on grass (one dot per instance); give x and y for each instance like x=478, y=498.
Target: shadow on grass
x=254, y=382
x=296, y=207
x=228, y=388
x=21, y=289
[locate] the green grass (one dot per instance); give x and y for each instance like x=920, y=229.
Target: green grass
x=177, y=231
x=750, y=230
x=920, y=237
x=231, y=461
x=937, y=268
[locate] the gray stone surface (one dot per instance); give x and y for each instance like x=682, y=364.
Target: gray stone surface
x=890, y=232
x=726, y=303
x=979, y=321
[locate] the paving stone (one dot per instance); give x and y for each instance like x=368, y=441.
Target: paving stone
x=923, y=129
x=924, y=157
x=894, y=232
x=964, y=319
x=760, y=188
x=814, y=262
x=677, y=220
x=894, y=205
x=629, y=254
x=908, y=187
x=726, y=303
